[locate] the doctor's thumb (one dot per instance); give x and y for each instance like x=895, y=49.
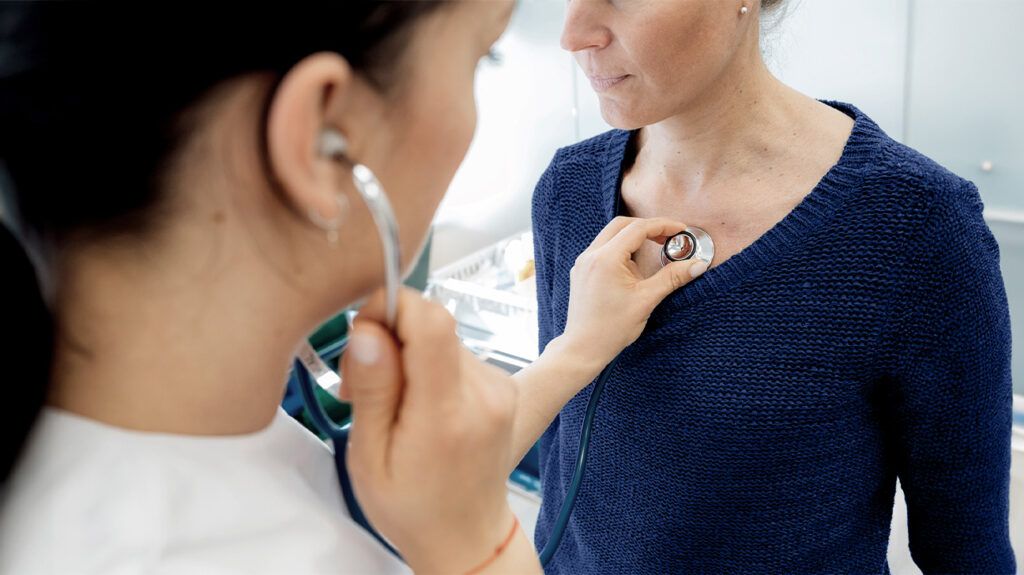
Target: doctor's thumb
x=674, y=276
x=371, y=378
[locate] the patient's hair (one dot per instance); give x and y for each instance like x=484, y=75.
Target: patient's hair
x=94, y=103
x=773, y=12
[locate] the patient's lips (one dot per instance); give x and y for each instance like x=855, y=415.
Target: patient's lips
x=603, y=83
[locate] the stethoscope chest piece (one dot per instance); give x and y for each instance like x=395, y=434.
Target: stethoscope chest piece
x=692, y=242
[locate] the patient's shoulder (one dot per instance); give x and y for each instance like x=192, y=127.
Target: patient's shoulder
x=920, y=179
x=581, y=172
x=594, y=149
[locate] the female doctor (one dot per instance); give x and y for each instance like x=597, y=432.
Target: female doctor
x=184, y=184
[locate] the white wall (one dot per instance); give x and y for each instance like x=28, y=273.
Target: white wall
x=525, y=112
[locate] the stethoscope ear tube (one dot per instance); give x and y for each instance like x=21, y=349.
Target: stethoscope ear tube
x=339, y=437
x=372, y=192
x=565, y=511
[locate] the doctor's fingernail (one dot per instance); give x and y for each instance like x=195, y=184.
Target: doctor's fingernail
x=698, y=268
x=364, y=348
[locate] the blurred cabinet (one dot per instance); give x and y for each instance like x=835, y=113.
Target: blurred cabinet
x=965, y=92
x=1010, y=235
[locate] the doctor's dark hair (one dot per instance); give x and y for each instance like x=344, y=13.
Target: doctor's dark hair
x=95, y=100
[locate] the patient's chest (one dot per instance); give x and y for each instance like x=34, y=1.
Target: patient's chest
x=731, y=232
x=736, y=213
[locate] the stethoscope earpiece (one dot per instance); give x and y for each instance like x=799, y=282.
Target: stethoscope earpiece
x=332, y=143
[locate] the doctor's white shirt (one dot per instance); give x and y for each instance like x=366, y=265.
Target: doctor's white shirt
x=91, y=498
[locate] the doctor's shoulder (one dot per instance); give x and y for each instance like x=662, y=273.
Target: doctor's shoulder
x=78, y=505
x=91, y=498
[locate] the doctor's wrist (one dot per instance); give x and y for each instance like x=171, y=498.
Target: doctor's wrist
x=472, y=549
x=579, y=355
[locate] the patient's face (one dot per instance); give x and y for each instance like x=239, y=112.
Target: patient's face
x=651, y=59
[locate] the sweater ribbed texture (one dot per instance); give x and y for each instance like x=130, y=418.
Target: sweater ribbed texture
x=761, y=420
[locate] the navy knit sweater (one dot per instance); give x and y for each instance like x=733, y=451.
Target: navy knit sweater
x=760, y=422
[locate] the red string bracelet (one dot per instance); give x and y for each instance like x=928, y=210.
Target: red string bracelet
x=498, y=550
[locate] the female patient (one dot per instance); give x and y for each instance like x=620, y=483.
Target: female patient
x=852, y=327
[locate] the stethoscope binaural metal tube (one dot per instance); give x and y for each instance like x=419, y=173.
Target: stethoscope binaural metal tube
x=310, y=367
x=376, y=200
x=387, y=228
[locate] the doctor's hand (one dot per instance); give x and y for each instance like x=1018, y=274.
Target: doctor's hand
x=609, y=299
x=430, y=448
x=610, y=302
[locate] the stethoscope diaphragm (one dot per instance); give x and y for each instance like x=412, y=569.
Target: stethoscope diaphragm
x=692, y=242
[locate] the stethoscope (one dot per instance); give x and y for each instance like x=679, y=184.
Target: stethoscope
x=691, y=243
x=309, y=366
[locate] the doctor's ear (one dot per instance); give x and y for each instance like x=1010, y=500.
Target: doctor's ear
x=317, y=114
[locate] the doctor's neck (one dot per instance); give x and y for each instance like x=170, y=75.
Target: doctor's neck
x=174, y=343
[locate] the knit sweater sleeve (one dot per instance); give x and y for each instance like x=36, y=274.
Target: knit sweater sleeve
x=542, y=208
x=951, y=399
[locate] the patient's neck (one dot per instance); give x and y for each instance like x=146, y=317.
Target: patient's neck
x=745, y=121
